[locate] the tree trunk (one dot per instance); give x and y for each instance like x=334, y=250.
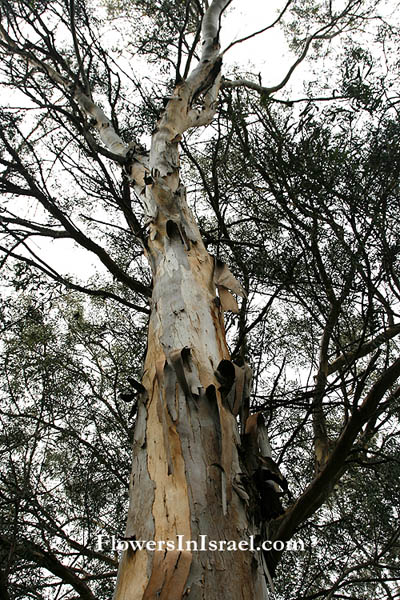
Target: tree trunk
x=186, y=478
x=185, y=456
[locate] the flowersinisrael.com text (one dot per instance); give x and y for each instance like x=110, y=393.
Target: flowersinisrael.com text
x=203, y=544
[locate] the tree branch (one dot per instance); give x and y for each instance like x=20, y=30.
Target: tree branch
x=107, y=133
x=263, y=30
x=320, y=488
x=74, y=286
x=31, y=551
x=74, y=232
x=347, y=359
x=323, y=33
x=36, y=229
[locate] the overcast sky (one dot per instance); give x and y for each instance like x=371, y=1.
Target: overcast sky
x=268, y=51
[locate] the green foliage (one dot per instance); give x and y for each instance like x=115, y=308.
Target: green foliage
x=67, y=434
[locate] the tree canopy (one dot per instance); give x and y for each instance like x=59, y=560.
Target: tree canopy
x=296, y=188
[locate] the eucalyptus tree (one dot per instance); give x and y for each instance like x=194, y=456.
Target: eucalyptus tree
x=304, y=219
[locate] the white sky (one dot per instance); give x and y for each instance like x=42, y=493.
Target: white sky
x=268, y=52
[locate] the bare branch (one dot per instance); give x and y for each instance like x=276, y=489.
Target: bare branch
x=320, y=488
x=347, y=359
x=52, y=273
x=109, y=137
x=76, y=47
x=36, y=229
x=74, y=232
x=48, y=561
x=326, y=32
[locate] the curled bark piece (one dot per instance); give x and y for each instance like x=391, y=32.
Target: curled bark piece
x=270, y=502
x=223, y=277
x=252, y=436
x=263, y=470
x=161, y=411
x=252, y=424
x=240, y=488
x=140, y=389
x=248, y=386
x=133, y=412
x=185, y=373
x=170, y=391
x=135, y=394
x=257, y=434
x=239, y=388
x=227, y=440
x=129, y=397
x=226, y=374
x=235, y=384
x=228, y=302
x=272, y=472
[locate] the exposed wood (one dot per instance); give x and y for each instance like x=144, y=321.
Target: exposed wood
x=185, y=454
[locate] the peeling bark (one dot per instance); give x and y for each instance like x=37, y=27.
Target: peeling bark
x=189, y=480
x=187, y=477
x=186, y=435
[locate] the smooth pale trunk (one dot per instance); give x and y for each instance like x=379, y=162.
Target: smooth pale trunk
x=180, y=435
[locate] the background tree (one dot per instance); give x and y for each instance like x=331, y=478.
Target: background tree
x=300, y=197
